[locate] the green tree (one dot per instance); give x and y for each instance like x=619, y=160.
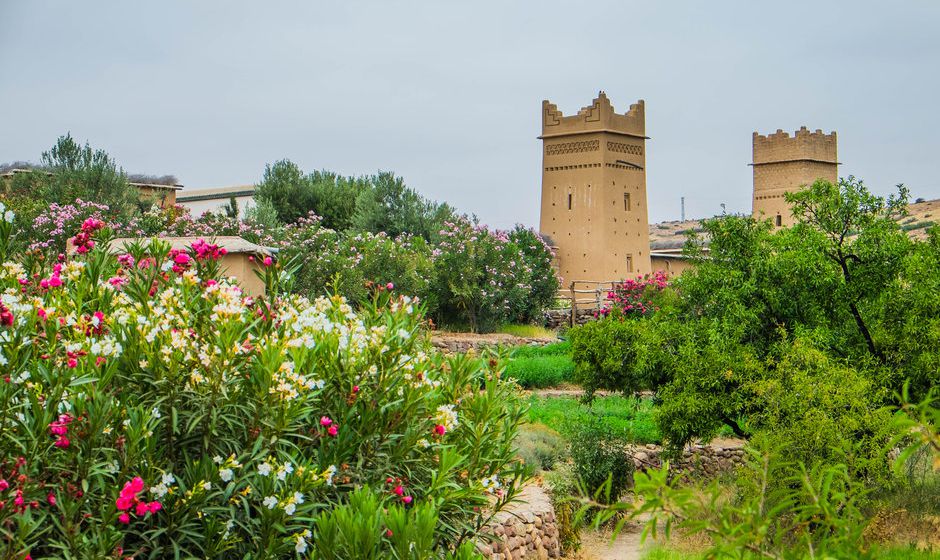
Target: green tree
x=76, y=171
x=284, y=188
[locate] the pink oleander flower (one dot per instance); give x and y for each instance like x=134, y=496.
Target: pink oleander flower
x=6, y=316
x=268, y=261
x=62, y=442
x=440, y=429
x=399, y=490
x=124, y=518
x=332, y=430
x=325, y=420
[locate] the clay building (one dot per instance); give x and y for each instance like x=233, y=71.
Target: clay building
x=243, y=259
x=594, y=191
x=785, y=163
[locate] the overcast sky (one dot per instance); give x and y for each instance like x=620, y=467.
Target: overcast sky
x=449, y=94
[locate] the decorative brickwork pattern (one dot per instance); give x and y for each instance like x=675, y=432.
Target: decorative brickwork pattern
x=571, y=147
x=625, y=148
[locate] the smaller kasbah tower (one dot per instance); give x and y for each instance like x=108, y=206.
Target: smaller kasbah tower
x=784, y=163
x=594, y=191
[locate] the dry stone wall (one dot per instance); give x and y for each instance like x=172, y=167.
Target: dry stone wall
x=451, y=343
x=526, y=531
x=697, y=460
x=557, y=318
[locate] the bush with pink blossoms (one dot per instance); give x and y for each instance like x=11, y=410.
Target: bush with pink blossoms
x=636, y=298
x=150, y=409
x=484, y=277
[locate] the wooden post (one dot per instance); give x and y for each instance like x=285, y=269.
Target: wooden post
x=574, y=306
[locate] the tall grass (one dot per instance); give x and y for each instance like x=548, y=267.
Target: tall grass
x=536, y=367
x=624, y=417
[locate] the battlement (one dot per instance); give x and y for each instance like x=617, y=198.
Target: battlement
x=802, y=146
x=600, y=116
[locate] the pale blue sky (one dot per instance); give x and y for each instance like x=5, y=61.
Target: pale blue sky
x=449, y=94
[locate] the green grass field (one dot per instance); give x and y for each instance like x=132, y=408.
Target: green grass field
x=625, y=417
x=537, y=367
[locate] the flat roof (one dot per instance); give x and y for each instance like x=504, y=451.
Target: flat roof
x=231, y=243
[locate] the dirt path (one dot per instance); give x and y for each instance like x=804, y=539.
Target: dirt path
x=596, y=545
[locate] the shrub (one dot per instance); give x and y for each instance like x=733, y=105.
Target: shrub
x=562, y=486
x=618, y=355
x=540, y=446
x=151, y=408
x=484, y=278
x=600, y=460
x=543, y=282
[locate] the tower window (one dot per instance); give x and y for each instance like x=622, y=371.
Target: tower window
x=626, y=201
x=779, y=220
x=630, y=262
x=569, y=201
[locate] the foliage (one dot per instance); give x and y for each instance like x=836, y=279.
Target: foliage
x=622, y=417
x=391, y=207
x=152, y=409
x=540, y=446
x=378, y=203
x=636, y=297
x=537, y=257
x=843, y=294
x=562, y=485
x=617, y=355
x=600, y=461
x=482, y=276
x=74, y=171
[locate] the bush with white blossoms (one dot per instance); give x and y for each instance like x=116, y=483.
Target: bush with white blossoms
x=150, y=409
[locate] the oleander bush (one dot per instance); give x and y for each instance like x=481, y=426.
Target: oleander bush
x=151, y=409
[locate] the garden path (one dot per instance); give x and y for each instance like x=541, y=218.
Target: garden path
x=596, y=545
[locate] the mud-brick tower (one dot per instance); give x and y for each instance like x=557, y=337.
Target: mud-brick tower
x=784, y=163
x=594, y=190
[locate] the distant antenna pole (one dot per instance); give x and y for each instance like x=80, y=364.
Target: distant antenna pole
x=682, y=205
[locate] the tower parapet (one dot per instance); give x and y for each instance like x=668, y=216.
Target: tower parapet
x=802, y=146
x=599, y=116
x=783, y=163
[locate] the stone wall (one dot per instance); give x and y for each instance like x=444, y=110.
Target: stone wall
x=464, y=342
x=527, y=530
x=557, y=318
x=697, y=460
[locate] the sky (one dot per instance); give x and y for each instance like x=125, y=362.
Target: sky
x=448, y=95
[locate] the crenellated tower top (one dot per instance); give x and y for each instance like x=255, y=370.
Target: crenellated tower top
x=802, y=146
x=599, y=116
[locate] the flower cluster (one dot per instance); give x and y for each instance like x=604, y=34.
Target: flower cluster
x=82, y=240
x=128, y=501
x=250, y=417
x=636, y=297
x=60, y=428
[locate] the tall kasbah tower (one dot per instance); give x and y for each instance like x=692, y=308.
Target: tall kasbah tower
x=784, y=163
x=594, y=191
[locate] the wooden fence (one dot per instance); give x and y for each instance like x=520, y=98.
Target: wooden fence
x=585, y=295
